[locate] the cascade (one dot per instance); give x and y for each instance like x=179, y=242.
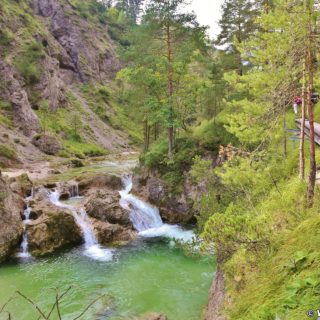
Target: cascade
x=92, y=247
x=146, y=219
x=24, y=247
x=74, y=191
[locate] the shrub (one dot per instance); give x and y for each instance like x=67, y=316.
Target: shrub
x=155, y=157
x=210, y=135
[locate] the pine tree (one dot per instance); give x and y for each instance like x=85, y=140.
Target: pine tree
x=162, y=48
x=131, y=7
x=237, y=25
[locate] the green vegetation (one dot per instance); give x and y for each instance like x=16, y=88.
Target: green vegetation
x=7, y=152
x=28, y=62
x=101, y=100
x=67, y=126
x=225, y=113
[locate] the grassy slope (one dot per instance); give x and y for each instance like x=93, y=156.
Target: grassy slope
x=67, y=124
x=282, y=281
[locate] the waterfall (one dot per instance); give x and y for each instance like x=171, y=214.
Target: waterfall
x=146, y=219
x=142, y=215
x=24, y=247
x=74, y=191
x=92, y=247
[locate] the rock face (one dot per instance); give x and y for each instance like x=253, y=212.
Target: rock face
x=216, y=298
x=21, y=185
x=173, y=208
x=53, y=228
x=47, y=144
x=11, y=226
x=83, y=51
x=12, y=90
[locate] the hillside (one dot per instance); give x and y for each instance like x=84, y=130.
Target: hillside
x=57, y=67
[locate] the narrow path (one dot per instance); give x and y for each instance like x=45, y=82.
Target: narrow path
x=307, y=130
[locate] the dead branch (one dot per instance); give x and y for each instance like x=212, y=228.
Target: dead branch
x=87, y=308
x=33, y=304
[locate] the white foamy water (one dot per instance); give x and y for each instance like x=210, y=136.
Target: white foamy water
x=24, y=247
x=146, y=219
x=92, y=248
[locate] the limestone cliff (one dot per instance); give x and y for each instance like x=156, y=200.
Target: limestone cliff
x=56, y=71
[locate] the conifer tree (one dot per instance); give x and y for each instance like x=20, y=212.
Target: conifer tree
x=237, y=25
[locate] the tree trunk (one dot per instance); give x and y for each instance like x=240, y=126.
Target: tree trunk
x=303, y=123
x=146, y=135
x=156, y=132
x=313, y=165
x=170, y=88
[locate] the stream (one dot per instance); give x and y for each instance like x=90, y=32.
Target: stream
x=150, y=274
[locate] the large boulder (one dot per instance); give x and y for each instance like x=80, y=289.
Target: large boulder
x=47, y=144
x=11, y=226
x=103, y=204
x=103, y=180
x=53, y=228
x=107, y=233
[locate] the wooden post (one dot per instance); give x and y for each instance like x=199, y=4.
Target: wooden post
x=313, y=165
x=303, y=122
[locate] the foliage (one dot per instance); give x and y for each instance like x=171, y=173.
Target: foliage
x=210, y=134
x=159, y=76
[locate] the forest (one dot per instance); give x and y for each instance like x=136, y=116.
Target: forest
x=144, y=160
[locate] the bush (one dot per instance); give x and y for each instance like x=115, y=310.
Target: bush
x=210, y=135
x=156, y=156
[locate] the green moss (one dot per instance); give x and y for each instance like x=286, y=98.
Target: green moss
x=7, y=152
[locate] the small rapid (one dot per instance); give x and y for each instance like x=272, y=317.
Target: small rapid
x=24, y=247
x=93, y=249
x=146, y=219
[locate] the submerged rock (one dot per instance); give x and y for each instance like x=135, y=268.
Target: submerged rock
x=54, y=228
x=11, y=226
x=153, y=316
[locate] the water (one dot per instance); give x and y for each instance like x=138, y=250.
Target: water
x=146, y=219
x=24, y=247
x=74, y=190
x=92, y=248
x=145, y=276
